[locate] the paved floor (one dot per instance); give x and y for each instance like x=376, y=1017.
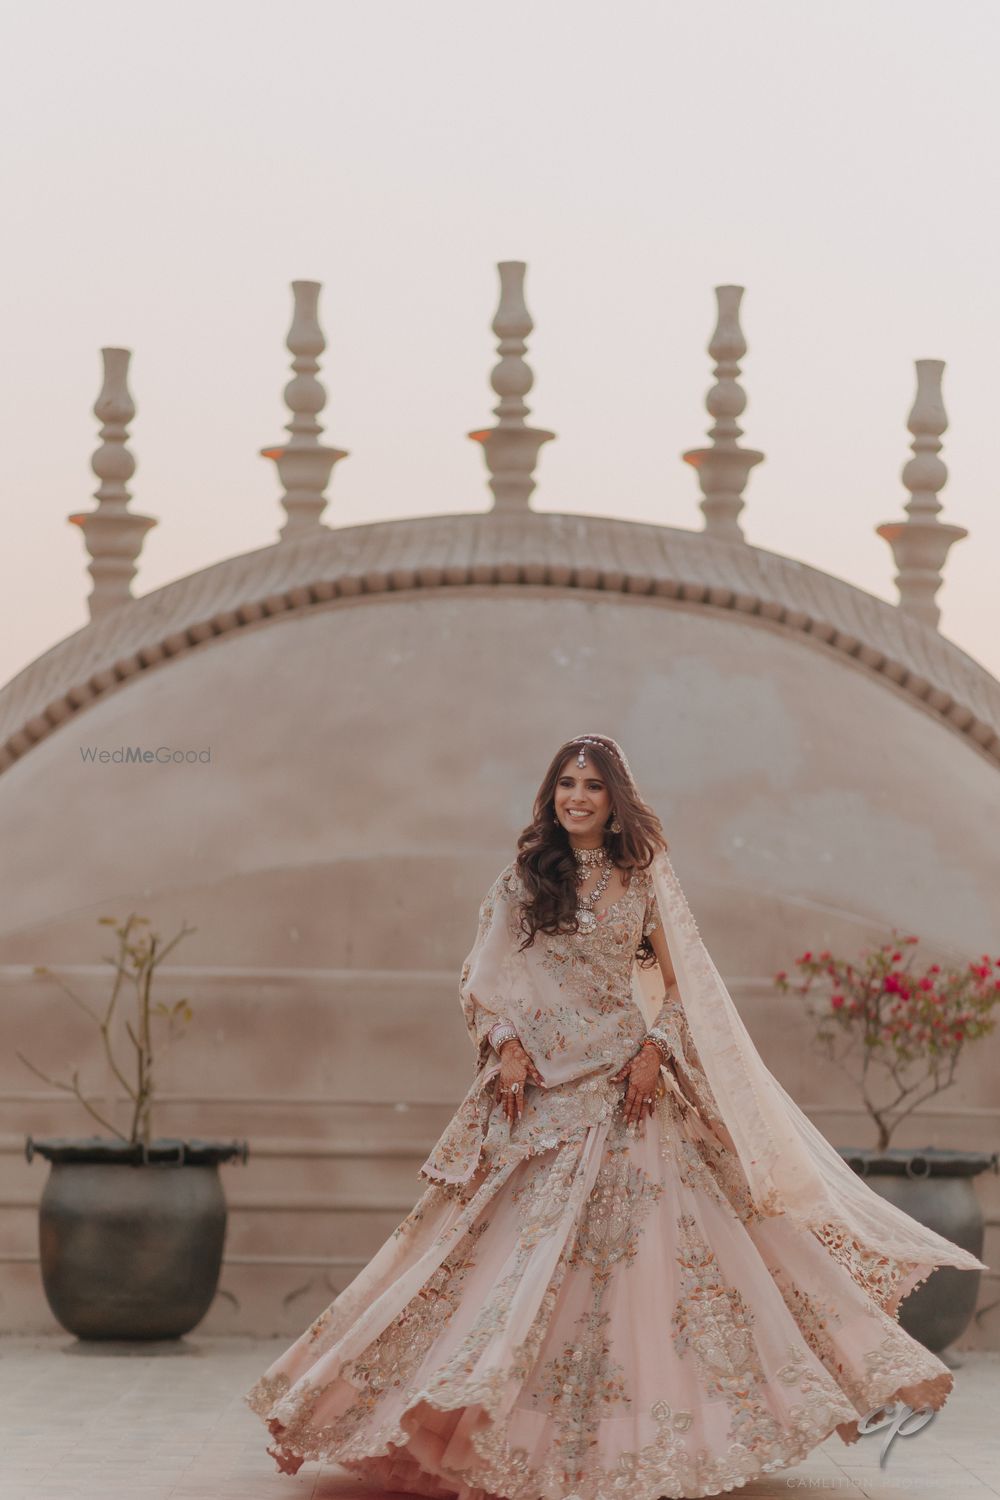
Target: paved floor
x=86, y=1422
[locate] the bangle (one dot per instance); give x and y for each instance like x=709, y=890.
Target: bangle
x=660, y=1043
x=502, y=1031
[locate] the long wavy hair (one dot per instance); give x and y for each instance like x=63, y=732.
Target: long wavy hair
x=545, y=860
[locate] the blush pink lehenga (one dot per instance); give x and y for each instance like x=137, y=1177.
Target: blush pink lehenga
x=578, y=1312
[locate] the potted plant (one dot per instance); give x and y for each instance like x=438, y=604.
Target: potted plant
x=131, y=1227
x=897, y=1028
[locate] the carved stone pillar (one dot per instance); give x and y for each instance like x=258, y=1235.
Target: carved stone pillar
x=113, y=534
x=921, y=543
x=723, y=468
x=511, y=447
x=304, y=464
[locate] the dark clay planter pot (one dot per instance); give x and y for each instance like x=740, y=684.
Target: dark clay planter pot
x=935, y=1187
x=131, y=1239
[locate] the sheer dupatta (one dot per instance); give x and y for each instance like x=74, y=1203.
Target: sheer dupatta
x=789, y=1165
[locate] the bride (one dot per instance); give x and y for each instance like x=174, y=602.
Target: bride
x=637, y=1267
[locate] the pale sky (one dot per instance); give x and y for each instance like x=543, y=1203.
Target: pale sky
x=169, y=170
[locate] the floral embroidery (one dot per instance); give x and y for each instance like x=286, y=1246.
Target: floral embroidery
x=651, y=915
x=618, y=1205
x=581, y=1385
x=712, y=1320
x=393, y=1358
x=455, y=1385
x=818, y=1323
x=542, y=1197
x=268, y=1389
x=909, y=1373
x=879, y=1276
x=538, y=1220
x=426, y=1205
x=597, y=965
x=496, y=936
x=320, y=1324
x=726, y=1171
x=695, y=1167
x=390, y=1361
x=456, y=1155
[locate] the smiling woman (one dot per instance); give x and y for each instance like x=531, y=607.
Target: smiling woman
x=603, y=1176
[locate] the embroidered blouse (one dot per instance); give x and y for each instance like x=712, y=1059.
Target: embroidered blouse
x=569, y=996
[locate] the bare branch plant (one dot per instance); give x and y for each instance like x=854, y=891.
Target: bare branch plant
x=140, y=953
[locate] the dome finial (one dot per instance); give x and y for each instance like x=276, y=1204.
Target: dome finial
x=723, y=468
x=921, y=544
x=112, y=533
x=304, y=463
x=511, y=447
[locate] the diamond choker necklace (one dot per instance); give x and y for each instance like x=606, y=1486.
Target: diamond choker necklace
x=598, y=856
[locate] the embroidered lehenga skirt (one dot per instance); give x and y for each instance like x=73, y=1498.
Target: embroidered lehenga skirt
x=578, y=1312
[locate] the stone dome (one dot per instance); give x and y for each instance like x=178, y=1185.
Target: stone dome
x=374, y=713
x=368, y=714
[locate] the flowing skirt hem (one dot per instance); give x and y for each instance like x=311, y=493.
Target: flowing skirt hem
x=393, y=1466
x=450, y=1358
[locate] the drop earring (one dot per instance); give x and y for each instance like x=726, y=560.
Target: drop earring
x=616, y=827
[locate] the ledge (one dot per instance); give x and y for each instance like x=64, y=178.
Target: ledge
x=548, y=550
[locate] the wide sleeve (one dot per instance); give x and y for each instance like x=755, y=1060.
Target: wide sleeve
x=671, y=1026
x=485, y=987
x=651, y=915
x=667, y=1021
x=671, y=1023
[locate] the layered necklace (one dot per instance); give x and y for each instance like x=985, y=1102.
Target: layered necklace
x=586, y=860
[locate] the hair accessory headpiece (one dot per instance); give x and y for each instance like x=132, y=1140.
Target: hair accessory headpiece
x=606, y=743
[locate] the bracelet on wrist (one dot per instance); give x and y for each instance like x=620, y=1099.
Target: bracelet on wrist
x=661, y=1045
x=502, y=1031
